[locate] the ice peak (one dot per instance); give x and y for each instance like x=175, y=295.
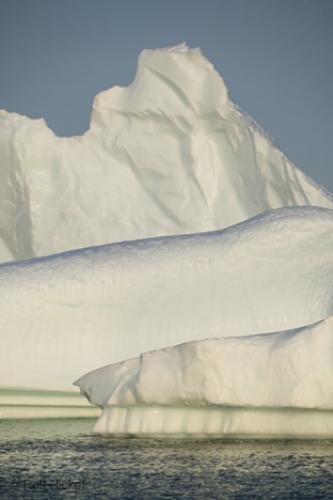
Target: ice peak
x=180, y=47
x=169, y=154
x=187, y=70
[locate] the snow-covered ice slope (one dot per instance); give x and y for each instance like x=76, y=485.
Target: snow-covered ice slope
x=262, y=385
x=169, y=154
x=63, y=315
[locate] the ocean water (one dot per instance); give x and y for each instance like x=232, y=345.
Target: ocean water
x=41, y=459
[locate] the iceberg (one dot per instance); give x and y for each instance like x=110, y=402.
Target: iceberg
x=278, y=384
x=169, y=154
x=66, y=314
x=173, y=242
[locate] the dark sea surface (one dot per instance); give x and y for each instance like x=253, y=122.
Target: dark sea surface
x=61, y=458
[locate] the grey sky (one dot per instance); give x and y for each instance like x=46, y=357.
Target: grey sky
x=275, y=56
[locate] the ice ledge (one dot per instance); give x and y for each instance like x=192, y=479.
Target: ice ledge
x=290, y=369
x=22, y=403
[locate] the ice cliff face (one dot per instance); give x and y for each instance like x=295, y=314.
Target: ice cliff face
x=169, y=154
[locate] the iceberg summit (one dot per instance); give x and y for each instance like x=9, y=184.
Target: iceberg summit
x=170, y=154
x=171, y=260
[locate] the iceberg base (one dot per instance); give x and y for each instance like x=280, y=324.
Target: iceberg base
x=215, y=422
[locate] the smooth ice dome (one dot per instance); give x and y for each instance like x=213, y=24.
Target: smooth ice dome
x=170, y=154
x=273, y=384
x=64, y=315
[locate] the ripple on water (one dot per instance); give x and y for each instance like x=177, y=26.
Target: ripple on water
x=63, y=459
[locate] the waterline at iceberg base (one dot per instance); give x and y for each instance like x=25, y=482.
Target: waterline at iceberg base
x=165, y=244
x=215, y=422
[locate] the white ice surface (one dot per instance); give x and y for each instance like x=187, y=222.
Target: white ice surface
x=63, y=315
x=170, y=154
x=292, y=369
x=273, y=385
